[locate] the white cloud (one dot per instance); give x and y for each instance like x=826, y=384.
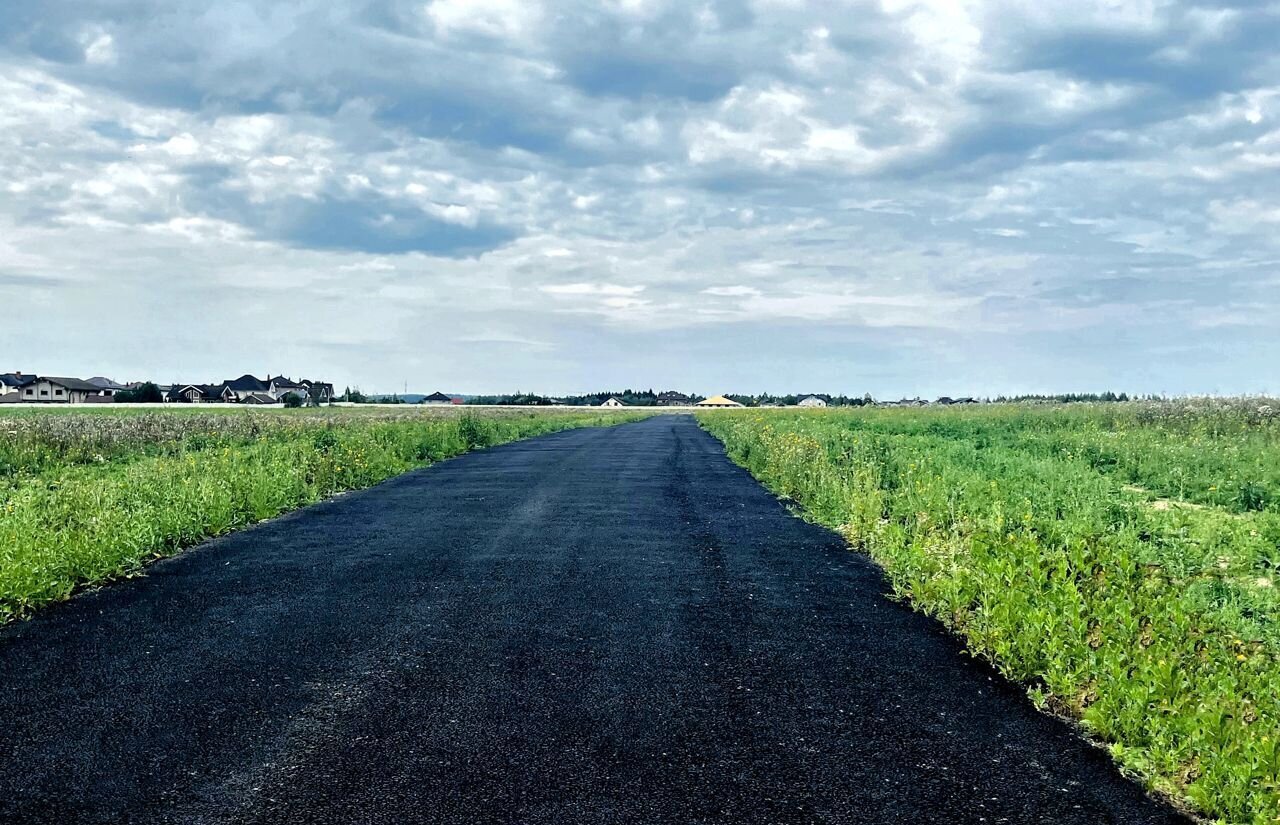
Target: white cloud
x=615, y=290
x=509, y=19
x=944, y=173
x=100, y=51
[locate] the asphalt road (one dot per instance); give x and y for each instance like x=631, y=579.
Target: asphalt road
x=597, y=626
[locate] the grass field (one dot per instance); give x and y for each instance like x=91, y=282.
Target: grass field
x=90, y=496
x=1120, y=560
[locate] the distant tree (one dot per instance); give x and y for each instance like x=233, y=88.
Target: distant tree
x=144, y=393
x=292, y=400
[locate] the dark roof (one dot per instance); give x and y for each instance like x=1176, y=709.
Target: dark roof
x=71, y=383
x=672, y=396
x=12, y=379
x=105, y=383
x=206, y=390
x=288, y=383
x=246, y=383
x=438, y=396
x=259, y=398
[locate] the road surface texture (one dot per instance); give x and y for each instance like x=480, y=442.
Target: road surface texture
x=597, y=626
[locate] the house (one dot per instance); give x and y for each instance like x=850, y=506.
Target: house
x=718, y=401
x=245, y=386
x=612, y=402
x=320, y=392
x=241, y=390
x=280, y=386
x=437, y=398
x=11, y=385
x=199, y=394
x=55, y=390
x=812, y=401
x=673, y=399
x=11, y=381
x=108, y=387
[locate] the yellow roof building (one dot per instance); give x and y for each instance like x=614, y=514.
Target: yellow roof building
x=718, y=401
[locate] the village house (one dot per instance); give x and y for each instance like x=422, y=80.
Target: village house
x=812, y=401
x=56, y=390
x=107, y=387
x=249, y=389
x=321, y=392
x=280, y=386
x=671, y=398
x=718, y=401
x=612, y=402
x=11, y=386
x=18, y=387
x=198, y=394
x=245, y=386
x=437, y=398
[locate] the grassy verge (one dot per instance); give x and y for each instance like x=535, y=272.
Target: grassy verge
x=1049, y=541
x=88, y=498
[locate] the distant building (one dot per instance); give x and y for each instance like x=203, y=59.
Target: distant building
x=17, y=387
x=54, y=390
x=673, y=399
x=280, y=386
x=199, y=394
x=12, y=384
x=245, y=386
x=437, y=398
x=718, y=401
x=812, y=401
x=108, y=387
x=320, y=392
x=613, y=402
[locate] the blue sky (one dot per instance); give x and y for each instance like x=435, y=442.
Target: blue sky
x=479, y=195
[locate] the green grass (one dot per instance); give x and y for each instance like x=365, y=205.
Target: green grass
x=85, y=498
x=1121, y=561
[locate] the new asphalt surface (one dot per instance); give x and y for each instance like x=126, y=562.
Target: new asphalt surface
x=596, y=626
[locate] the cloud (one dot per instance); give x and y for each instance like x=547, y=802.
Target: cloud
x=592, y=289
x=598, y=189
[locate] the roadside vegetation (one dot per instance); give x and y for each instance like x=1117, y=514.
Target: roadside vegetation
x=90, y=496
x=1121, y=560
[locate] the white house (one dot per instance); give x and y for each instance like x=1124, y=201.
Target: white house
x=280, y=386
x=51, y=390
x=613, y=402
x=812, y=401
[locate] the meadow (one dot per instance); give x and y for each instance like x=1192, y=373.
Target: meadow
x=1122, y=561
x=86, y=497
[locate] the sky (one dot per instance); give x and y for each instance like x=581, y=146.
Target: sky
x=901, y=198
